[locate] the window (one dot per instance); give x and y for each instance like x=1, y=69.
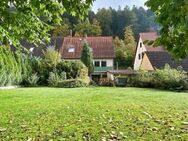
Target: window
x=103, y=63
x=71, y=49
x=97, y=63
x=143, y=55
x=140, y=45
x=139, y=56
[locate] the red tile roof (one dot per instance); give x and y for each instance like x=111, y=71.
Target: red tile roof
x=150, y=36
x=102, y=47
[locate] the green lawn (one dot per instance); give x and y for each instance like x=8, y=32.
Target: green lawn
x=93, y=114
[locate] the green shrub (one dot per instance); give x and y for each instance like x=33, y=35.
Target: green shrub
x=48, y=64
x=73, y=69
x=167, y=78
x=32, y=80
x=55, y=78
x=142, y=79
x=72, y=83
x=10, y=67
x=51, y=57
x=30, y=67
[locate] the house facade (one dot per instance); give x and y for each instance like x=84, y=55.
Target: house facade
x=150, y=58
x=142, y=48
x=101, y=47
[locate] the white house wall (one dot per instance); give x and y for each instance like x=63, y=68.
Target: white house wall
x=140, y=50
x=109, y=62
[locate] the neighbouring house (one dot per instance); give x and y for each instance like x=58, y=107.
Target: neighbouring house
x=55, y=43
x=101, y=47
x=150, y=58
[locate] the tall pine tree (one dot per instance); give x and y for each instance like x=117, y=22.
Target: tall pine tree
x=87, y=57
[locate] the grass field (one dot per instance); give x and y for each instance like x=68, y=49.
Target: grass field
x=98, y=114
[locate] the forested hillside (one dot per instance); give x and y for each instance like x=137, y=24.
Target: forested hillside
x=109, y=22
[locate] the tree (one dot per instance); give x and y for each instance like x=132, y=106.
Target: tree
x=172, y=16
x=125, y=50
x=96, y=28
x=121, y=54
x=33, y=19
x=130, y=45
x=61, y=30
x=104, y=16
x=87, y=57
x=86, y=27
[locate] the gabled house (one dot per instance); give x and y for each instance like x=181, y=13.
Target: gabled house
x=142, y=48
x=101, y=47
x=55, y=43
x=149, y=58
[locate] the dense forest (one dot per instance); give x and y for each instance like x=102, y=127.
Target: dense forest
x=109, y=22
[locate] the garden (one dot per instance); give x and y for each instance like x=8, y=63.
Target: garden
x=26, y=70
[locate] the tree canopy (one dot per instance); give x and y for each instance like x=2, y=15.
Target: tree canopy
x=172, y=15
x=113, y=22
x=125, y=49
x=91, y=29
x=32, y=19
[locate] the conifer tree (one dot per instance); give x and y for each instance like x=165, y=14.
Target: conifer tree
x=87, y=57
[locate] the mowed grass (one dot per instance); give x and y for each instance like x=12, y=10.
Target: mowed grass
x=93, y=114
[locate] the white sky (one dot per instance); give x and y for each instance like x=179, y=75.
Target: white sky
x=116, y=3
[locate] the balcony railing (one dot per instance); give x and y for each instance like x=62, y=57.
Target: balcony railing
x=102, y=69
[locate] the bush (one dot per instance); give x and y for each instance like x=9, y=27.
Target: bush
x=32, y=80
x=72, y=83
x=48, y=64
x=167, y=78
x=51, y=57
x=106, y=82
x=73, y=69
x=142, y=79
x=10, y=67
x=55, y=78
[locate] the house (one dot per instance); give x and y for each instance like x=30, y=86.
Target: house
x=102, y=49
x=55, y=43
x=142, y=48
x=150, y=58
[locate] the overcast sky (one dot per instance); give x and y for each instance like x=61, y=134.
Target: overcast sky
x=116, y=3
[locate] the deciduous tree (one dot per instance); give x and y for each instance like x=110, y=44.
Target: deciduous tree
x=172, y=15
x=32, y=19
x=91, y=29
